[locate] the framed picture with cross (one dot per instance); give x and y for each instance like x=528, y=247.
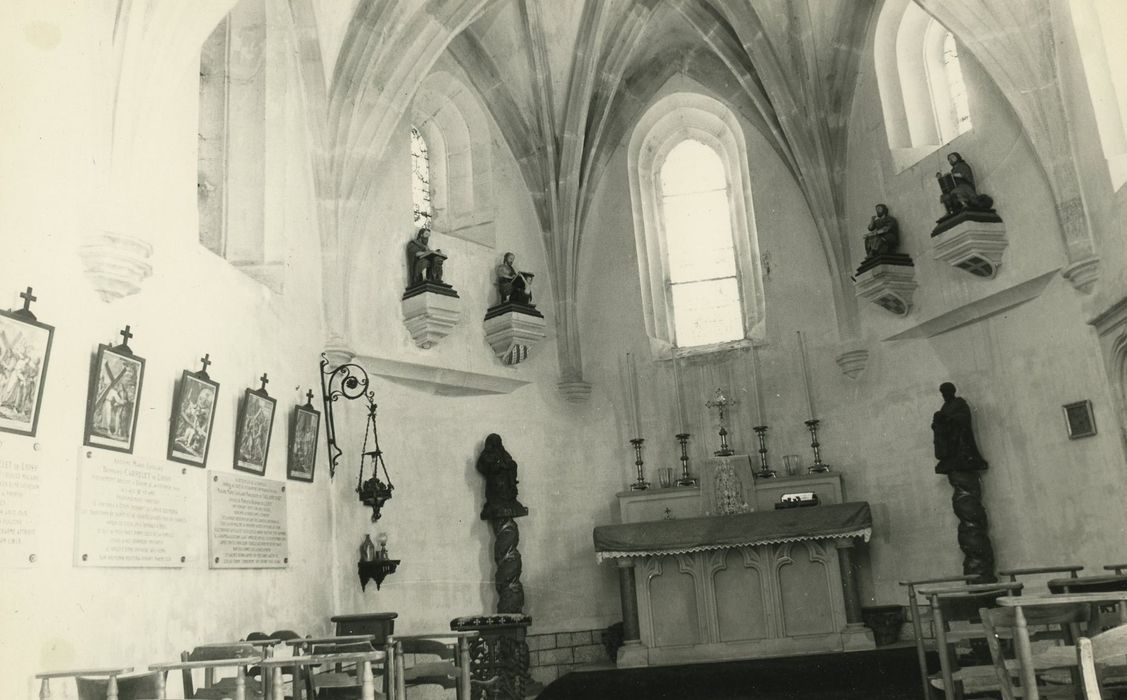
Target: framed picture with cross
x=25, y=347
x=253, y=429
x=304, y=426
x=193, y=415
x=114, y=394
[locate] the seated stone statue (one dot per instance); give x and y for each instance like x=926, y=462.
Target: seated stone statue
x=423, y=263
x=513, y=286
x=958, y=191
x=883, y=237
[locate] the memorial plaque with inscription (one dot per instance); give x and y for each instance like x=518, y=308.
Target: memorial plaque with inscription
x=131, y=512
x=246, y=523
x=21, y=503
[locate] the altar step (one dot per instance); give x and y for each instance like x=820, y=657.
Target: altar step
x=887, y=673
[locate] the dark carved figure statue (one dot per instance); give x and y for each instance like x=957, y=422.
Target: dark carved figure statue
x=512, y=284
x=960, y=460
x=500, y=472
x=955, y=447
x=883, y=237
x=501, y=508
x=958, y=190
x=424, y=264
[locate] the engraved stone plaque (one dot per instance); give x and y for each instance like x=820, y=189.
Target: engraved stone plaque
x=21, y=502
x=131, y=512
x=246, y=522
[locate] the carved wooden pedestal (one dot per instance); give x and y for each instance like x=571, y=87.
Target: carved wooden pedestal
x=498, y=655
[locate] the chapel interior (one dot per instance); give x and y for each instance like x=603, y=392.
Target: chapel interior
x=294, y=284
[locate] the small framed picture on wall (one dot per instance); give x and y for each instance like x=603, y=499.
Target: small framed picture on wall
x=1079, y=419
x=193, y=415
x=115, y=392
x=303, y=442
x=252, y=432
x=25, y=347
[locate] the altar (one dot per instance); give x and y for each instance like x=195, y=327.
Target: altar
x=751, y=585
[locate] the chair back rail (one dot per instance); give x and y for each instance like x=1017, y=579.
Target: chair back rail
x=1105, y=649
x=917, y=627
x=962, y=605
x=111, y=673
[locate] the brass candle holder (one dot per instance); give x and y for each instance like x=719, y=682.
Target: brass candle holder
x=817, y=467
x=685, y=479
x=765, y=472
x=640, y=484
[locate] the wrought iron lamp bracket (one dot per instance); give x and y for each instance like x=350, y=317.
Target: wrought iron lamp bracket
x=350, y=381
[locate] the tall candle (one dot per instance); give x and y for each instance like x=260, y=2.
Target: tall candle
x=634, y=395
x=805, y=376
x=681, y=422
x=760, y=418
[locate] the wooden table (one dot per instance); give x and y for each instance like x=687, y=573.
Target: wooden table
x=1021, y=632
x=380, y=625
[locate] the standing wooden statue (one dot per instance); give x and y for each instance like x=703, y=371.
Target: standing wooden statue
x=499, y=654
x=960, y=460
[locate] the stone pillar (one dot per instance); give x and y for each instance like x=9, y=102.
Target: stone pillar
x=856, y=636
x=632, y=652
x=848, y=580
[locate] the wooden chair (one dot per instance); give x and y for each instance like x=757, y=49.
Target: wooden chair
x=1096, y=655
x=957, y=619
x=1072, y=571
x=917, y=609
x=104, y=683
x=226, y=655
x=267, y=643
x=451, y=670
x=1026, y=606
x=340, y=681
x=235, y=690
x=362, y=685
x=1060, y=620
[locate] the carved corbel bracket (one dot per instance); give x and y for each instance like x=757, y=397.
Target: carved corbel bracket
x=1083, y=274
x=116, y=264
x=974, y=246
x=430, y=313
x=512, y=330
x=889, y=284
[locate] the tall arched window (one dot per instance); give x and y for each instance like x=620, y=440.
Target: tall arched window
x=700, y=254
x=420, y=181
x=922, y=93
x=1099, y=28
x=956, y=88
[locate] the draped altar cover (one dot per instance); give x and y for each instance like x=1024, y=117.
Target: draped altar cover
x=687, y=535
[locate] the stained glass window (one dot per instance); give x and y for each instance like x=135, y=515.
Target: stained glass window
x=420, y=180
x=956, y=87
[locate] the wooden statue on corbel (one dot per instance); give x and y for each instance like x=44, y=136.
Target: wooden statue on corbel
x=970, y=235
x=431, y=307
x=513, y=326
x=886, y=277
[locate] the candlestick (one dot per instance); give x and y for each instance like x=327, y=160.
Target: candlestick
x=765, y=472
x=805, y=375
x=640, y=484
x=817, y=467
x=685, y=479
x=681, y=423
